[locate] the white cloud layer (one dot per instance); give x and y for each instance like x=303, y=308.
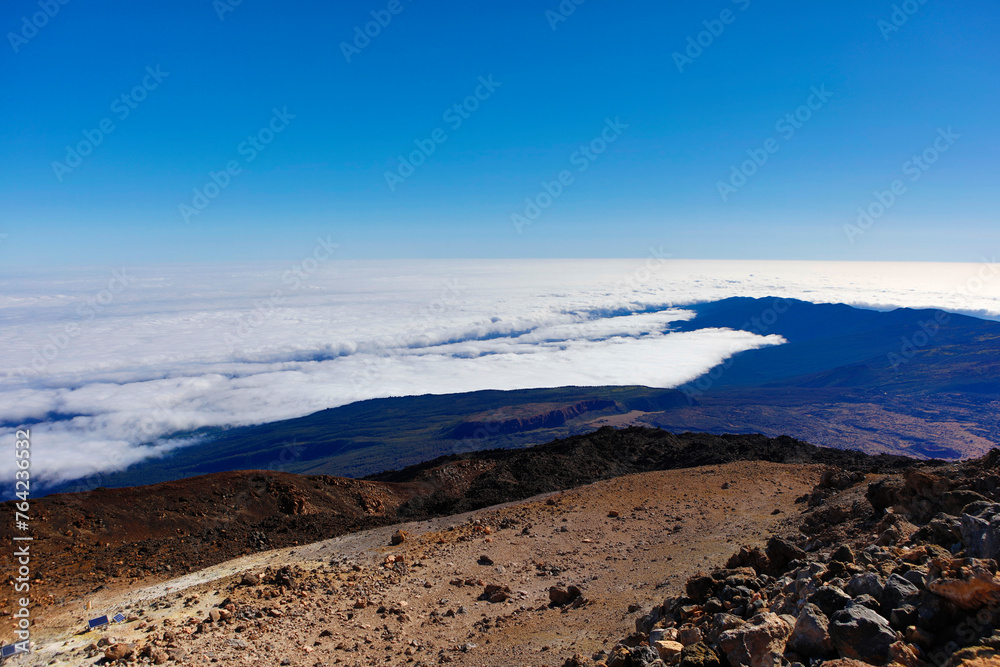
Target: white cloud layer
x=104, y=364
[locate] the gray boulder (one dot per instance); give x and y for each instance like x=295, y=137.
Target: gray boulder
x=645, y=656
x=897, y=591
x=859, y=633
x=830, y=599
x=811, y=634
x=866, y=583
x=981, y=530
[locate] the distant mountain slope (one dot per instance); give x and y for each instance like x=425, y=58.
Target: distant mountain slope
x=837, y=345
x=371, y=436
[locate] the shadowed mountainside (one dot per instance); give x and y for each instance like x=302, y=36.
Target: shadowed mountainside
x=370, y=436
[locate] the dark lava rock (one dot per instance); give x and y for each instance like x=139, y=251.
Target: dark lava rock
x=843, y=554
x=700, y=588
x=713, y=606
x=866, y=583
x=830, y=599
x=897, y=591
x=780, y=553
x=932, y=613
x=954, y=502
x=903, y=617
x=917, y=578
x=884, y=493
x=860, y=633
x=867, y=601
x=642, y=656
x=943, y=530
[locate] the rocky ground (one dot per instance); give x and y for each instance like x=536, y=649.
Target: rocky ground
x=905, y=574
x=842, y=563
x=528, y=583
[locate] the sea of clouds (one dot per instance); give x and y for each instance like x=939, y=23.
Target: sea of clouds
x=103, y=364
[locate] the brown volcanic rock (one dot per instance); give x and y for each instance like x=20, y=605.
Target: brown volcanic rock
x=967, y=583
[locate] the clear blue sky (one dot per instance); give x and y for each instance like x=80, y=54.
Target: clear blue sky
x=656, y=184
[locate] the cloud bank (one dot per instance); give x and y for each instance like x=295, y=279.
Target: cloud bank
x=104, y=364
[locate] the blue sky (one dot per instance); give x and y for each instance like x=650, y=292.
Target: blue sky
x=889, y=91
